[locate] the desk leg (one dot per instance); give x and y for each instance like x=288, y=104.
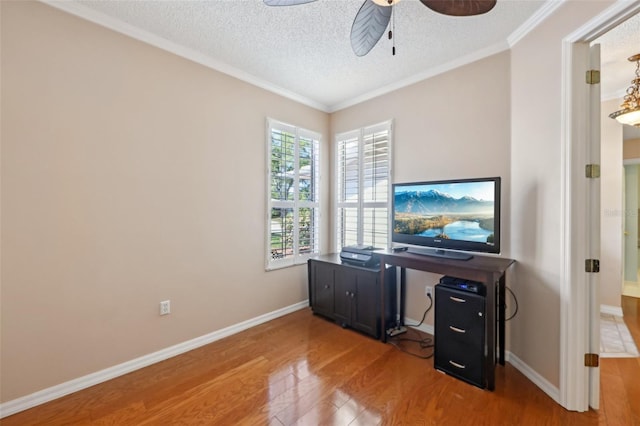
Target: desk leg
x=501, y=318
x=383, y=285
x=490, y=325
x=403, y=294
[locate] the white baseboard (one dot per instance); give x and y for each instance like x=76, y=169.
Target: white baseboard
x=426, y=328
x=533, y=376
x=29, y=401
x=611, y=310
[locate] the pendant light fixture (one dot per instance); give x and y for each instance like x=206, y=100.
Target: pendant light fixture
x=629, y=112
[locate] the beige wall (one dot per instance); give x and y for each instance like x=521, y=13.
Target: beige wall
x=611, y=185
x=129, y=176
x=536, y=181
x=455, y=125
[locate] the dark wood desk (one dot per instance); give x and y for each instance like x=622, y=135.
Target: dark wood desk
x=485, y=269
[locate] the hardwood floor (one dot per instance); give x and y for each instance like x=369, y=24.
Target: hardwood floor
x=620, y=377
x=302, y=369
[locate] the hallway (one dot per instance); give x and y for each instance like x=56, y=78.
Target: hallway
x=619, y=377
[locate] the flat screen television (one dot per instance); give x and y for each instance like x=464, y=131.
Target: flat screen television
x=448, y=218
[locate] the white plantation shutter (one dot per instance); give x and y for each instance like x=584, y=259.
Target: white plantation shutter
x=363, y=167
x=292, y=194
x=348, y=202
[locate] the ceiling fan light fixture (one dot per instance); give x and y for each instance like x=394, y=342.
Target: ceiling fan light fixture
x=374, y=16
x=385, y=2
x=629, y=112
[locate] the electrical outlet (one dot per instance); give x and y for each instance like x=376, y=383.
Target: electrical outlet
x=165, y=307
x=428, y=291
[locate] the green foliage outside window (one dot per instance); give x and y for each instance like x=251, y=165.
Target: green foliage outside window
x=285, y=173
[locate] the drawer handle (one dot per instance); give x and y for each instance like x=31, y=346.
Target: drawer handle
x=326, y=286
x=457, y=299
x=455, y=364
x=457, y=330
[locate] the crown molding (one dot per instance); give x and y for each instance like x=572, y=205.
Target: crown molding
x=121, y=27
x=613, y=16
x=432, y=72
x=529, y=25
x=103, y=20
x=536, y=19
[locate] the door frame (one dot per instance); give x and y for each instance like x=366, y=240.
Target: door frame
x=574, y=294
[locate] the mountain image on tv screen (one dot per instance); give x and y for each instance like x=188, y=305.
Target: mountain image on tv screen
x=456, y=211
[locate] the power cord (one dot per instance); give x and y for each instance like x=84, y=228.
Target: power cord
x=515, y=300
x=423, y=342
x=427, y=342
x=423, y=315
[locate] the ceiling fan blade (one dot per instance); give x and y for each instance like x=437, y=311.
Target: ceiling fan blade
x=286, y=2
x=368, y=26
x=460, y=7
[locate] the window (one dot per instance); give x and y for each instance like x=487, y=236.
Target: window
x=293, y=209
x=363, y=169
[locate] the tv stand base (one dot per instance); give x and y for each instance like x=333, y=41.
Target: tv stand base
x=445, y=254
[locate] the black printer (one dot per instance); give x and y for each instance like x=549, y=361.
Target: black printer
x=359, y=255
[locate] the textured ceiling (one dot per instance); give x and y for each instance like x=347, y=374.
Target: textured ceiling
x=304, y=51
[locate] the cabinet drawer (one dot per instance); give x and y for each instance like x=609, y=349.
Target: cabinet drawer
x=465, y=310
x=466, y=351
x=470, y=369
x=462, y=358
x=453, y=328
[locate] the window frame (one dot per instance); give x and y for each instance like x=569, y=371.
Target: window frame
x=296, y=204
x=361, y=135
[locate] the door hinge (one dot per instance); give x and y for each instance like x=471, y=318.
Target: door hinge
x=591, y=360
x=593, y=77
x=592, y=265
x=592, y=171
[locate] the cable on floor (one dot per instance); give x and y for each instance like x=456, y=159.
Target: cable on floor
x=423, y=342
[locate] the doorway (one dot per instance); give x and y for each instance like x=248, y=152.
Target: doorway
x=631, y=261
x=580, y=308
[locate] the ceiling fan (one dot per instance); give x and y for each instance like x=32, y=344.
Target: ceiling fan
x=373, y=17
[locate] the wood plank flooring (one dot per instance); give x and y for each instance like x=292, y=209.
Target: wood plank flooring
x=620, y=377
x=301, y=369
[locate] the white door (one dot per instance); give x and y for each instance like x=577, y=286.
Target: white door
x=580, y=290
x=580, y=315
x=593, y=223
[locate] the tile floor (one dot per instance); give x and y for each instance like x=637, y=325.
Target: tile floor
x=615, y=339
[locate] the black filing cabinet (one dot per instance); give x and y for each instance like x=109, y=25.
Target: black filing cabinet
x=460, y=334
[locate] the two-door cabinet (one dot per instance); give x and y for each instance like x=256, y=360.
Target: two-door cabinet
x=350, y=295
